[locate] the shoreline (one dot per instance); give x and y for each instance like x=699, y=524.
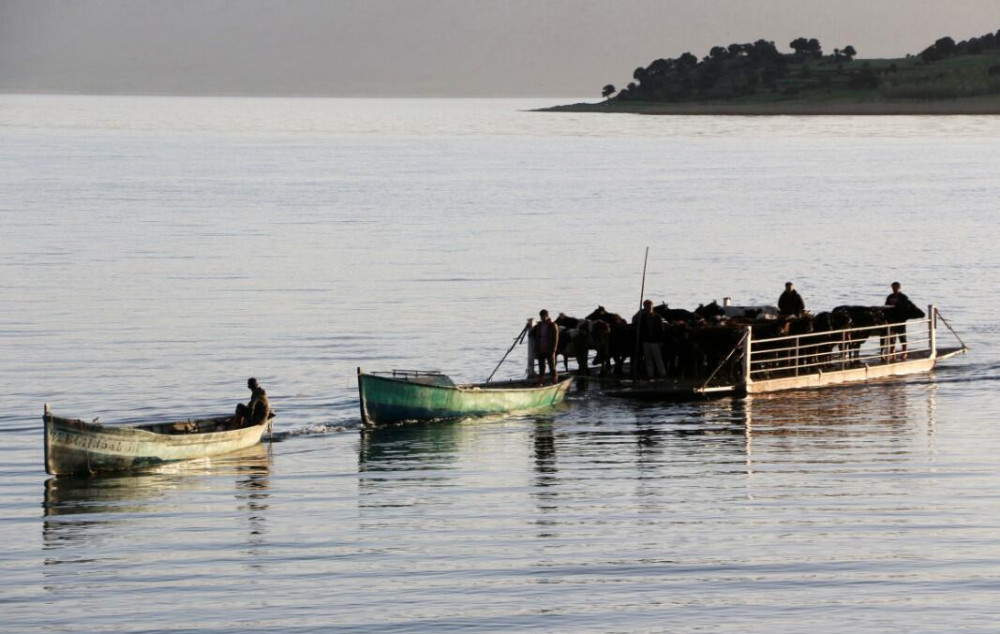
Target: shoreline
x=958, y=107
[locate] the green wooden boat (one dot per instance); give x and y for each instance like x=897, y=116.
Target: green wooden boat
x=77, y=447
x=408, y=395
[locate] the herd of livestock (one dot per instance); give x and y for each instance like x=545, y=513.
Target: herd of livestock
x=708, y=339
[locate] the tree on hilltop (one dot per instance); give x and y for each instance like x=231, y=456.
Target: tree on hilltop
x=607, y=91
x=939, y=50
x=806, y=47
x=688, y=60
x=718, y=53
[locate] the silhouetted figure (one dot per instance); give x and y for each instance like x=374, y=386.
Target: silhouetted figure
x=546, y=337
x=790, y=303
x=897, y=299
x=256, y=411
x=651, y=336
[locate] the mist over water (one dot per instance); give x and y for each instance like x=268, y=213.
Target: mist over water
x=158, y=251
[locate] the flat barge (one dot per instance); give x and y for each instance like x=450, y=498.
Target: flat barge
x=760, y=362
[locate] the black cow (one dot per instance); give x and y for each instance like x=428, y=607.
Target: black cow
x=710, y=311
x=767, y=353
x=866, y=321
x=712, y=345
x=897, y=316
x=578, y=337
x=621, y=346
x=566, y=321
x=823, y=339
x=611, y=319
x=574, y=342
x=615, y=347
x=673, y=315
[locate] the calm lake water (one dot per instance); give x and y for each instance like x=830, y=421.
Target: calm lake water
x=155, y=252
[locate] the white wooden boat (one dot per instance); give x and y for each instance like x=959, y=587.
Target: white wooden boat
x=77, y=447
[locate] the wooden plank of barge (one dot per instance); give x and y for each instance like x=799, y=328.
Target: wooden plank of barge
x=660, y=391
x=947, y=353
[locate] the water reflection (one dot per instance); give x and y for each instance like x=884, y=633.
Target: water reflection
x=402, y=466
x=816, y=425
x=842, y=418
x=544, y=442
x=409, y=447
x=253, y=496
x=546, y=470
x=84, y=513
x=660, y=430
x=831, y=411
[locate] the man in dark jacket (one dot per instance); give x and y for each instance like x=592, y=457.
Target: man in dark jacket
x=790, y=303
x=651, y=336
x=897, y=299
x=546, y=338
x=257, y=410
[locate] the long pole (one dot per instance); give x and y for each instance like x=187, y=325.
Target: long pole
x=518, y=339
x=638, y=325
x=642, y=289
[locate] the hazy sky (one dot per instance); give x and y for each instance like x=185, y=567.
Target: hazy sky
x=428, y=47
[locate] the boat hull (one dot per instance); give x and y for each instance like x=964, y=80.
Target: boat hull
x=387, y=400
x=76, y=447
x=862, y=374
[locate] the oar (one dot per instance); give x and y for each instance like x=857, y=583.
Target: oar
x=518, y=339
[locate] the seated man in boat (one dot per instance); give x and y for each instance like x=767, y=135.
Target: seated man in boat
x=546, y=338
x=790, y=303
x=257, y=410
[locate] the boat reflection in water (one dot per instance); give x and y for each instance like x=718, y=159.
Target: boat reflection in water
x=729, y=435
x=825, y=423
x=426, y=446
x=93, y=518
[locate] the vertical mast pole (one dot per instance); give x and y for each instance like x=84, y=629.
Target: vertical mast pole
x=932, y=325
x=642, y=289
x=642, y=293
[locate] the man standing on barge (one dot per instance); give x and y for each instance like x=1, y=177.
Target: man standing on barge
x=898, y=299
x=651, y=335
x=790, y=303
x=546, y=338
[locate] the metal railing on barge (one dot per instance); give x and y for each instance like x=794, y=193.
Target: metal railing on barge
x=848, y=354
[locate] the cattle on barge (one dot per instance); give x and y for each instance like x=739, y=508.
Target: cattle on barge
x=724, y=349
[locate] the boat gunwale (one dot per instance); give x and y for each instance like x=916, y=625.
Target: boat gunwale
x=140, y=430
x=520, y=385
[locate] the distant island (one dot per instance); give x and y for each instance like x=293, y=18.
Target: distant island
x=947, y=77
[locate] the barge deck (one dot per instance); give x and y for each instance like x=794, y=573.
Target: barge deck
x=803, y=361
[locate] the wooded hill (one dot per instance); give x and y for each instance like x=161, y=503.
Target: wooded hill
x=758, y=73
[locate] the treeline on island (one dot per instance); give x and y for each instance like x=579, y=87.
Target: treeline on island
x=759, y=72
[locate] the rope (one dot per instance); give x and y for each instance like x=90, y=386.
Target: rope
x=724, y=361
x=518, y=339
x=945, y=321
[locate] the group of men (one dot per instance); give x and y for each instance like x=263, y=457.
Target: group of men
x=545, y=334
x=790, y=304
